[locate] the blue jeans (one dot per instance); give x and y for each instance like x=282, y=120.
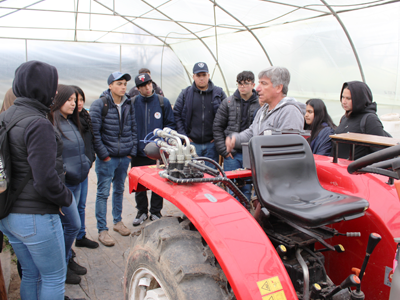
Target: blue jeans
x=38, y=242
x=71, y=221
x=207, y=150
x=82, y=207
x=115, y=171
x=234, y=164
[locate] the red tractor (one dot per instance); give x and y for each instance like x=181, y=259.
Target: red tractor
x=315, y=226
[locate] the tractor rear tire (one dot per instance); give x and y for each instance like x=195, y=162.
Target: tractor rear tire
x=173, y=261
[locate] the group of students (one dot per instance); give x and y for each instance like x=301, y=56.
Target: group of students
x=59, y=142
x=360, y=117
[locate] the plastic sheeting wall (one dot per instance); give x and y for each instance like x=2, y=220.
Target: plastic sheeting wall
x=89, y=65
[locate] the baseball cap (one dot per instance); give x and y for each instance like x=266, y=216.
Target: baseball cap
x=200, y=67
x=142, y=79
x=118, y=76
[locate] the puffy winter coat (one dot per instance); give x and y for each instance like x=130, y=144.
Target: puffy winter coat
x=228, y=119
x=115, y=137
x=76, y=162
x=322, y=143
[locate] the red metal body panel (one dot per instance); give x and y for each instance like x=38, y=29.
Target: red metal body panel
x=383, y=217
x=245, y=252
x=240, y=245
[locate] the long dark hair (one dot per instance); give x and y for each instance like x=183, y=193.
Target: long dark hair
x=84, y=114
x=320, y=116
x=64, y=92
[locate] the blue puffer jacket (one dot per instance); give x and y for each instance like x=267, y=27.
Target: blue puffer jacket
x=322, y=144
x=115, y=137
x=149, y=116
x=76, y=162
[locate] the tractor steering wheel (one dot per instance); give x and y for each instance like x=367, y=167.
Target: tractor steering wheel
x=377, y=162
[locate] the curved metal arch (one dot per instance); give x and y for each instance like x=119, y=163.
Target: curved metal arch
x=247, y=28
x=199, y=38
x=348, y=37
x=158, y=38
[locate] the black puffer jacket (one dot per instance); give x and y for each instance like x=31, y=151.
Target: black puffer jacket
x=361, y=97
x=76, y=162
x=228, y=119
x=34, y=143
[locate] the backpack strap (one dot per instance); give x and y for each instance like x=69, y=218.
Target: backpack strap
x=364, y=121
x=104, y=110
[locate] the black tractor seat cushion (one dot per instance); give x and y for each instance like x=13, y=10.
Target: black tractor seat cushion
x=286, y=182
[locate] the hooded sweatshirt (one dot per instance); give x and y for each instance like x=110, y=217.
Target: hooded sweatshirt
x=33, y=142
x=361, y=97
x=287, y=114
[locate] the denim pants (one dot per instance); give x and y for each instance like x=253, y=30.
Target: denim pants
x=71, y=221
x=81, y=208
x=38, y=242
x=142, y=202
x=234, y=164
x=115, y=171
x=207, y=150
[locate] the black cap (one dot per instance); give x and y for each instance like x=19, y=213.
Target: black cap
x=142, y=79
x=200, y=67
x=118, y=76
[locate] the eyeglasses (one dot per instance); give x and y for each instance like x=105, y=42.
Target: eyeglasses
x=243, y=84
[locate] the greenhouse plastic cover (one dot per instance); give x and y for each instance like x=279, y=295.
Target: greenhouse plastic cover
x=322, y=43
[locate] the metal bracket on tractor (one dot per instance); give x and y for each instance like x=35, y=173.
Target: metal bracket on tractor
x=310, y=228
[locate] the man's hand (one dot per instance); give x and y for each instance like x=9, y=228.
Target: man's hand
x=107, y=158
x=130, y=157
x=229, y=155
x=230, y=143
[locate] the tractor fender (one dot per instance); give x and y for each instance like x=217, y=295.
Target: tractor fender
x=246, y=255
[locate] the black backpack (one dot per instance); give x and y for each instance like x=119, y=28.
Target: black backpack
x=364, y=121
x=8, y=197
x=104, y=110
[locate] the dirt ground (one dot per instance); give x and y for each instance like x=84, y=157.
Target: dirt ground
x=15, y=281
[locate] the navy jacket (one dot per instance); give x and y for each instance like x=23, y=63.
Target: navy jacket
x=149, y=116
x=114, y=137
x=76, y=162
x=322, y=143
x=188, y=108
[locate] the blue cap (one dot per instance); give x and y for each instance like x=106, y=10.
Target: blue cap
x=118, y=76
x=200, y=67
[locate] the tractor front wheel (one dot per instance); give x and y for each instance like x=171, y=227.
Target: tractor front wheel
x=170, y=261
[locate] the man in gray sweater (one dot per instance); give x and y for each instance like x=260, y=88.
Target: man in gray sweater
x=277, y=112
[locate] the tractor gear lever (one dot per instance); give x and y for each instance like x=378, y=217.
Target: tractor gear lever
x=373, y=240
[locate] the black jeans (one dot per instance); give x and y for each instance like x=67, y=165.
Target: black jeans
x=142, y=202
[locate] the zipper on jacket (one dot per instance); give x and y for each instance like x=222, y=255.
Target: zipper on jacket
x=145, y=118
x=238, y=115
x=79, y=144
x=202, y=117
x=119, y=134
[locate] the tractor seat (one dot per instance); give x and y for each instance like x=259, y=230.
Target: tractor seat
x=286, y=182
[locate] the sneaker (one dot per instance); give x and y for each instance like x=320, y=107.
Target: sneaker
x=140, y=218
x=72, y=277
x=106, y=239
x=155, y=216
x=68, y=298
x=73, y=253
x=121, y=229
x=78, y=270
x=85, y=242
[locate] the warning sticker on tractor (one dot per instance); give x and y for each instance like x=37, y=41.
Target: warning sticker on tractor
x=275, y=296
x=269, y=285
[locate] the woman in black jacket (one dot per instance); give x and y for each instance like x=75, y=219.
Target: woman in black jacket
x=356, y=100
x=65, y=118
x=87, y=134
